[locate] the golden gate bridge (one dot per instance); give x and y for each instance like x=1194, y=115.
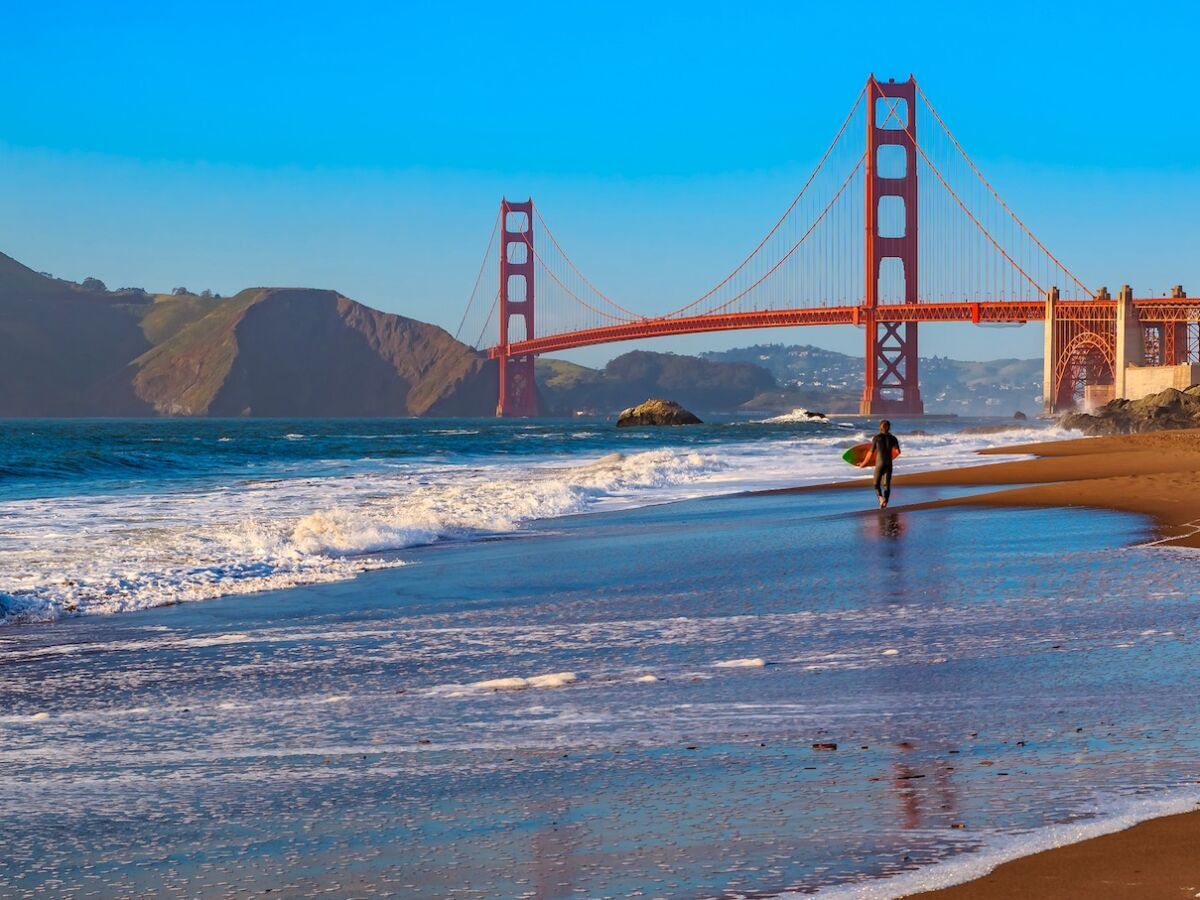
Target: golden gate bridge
x=885, y=234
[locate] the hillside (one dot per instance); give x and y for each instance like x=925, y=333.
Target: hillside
x=72, y=350
x=64, y=348
x=699, y=384
x=824, y=379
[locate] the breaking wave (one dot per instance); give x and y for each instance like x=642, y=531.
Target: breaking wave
x=105, y=554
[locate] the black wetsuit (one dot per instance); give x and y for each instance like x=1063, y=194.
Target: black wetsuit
x=882, y=446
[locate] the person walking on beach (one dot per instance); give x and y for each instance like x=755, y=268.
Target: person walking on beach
x=883, y=447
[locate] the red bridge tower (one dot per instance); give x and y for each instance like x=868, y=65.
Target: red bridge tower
x=891, y=383
x=518, y=389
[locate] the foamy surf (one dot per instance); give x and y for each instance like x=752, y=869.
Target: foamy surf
x=799, y=414
x=756, y=662
x=109, y=551
x=123, y=554
x=517, y=683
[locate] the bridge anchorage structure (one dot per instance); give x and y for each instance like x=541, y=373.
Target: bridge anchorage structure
x=886, y=234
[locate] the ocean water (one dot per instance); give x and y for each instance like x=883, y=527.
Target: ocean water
x=112, y=516
x=560, y=685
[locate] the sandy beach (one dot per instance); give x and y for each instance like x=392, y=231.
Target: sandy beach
x=1157, y=475
x=1156, y=860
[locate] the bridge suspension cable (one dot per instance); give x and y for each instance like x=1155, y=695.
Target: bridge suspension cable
x=550, y=234
x=783, y=218
x=970, y=162
x=478, y=280
x=813, y=263
x=796, y=246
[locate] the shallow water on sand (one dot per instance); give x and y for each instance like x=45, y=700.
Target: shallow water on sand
x=983, y=674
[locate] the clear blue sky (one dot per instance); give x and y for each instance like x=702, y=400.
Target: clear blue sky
x=363, y=147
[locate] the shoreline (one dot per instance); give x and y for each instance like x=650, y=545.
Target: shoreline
x=1156, y=475
x=1151, y=859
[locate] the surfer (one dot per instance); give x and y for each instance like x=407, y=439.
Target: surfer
x=884, y=447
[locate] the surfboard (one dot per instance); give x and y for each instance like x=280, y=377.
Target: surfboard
x=860, y=455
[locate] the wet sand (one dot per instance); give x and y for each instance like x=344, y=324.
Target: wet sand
x=1153, y=860
x=1157, y=475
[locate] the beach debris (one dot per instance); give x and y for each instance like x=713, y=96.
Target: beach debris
x=657, y=412
x=892, y=651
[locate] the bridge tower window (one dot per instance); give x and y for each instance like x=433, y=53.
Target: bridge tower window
x=891, y=113
x=517, y=252
x=891, y=161
x=890, y=220
x=891, y=280
x=518, y=289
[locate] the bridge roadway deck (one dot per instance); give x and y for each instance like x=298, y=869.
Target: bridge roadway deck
x=1154, y=309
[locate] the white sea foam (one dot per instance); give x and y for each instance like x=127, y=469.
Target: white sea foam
x=1111, y=816
x=104, y=553
x=502, y=684
x=799, y=414
x=755, y=662
x=516, y=683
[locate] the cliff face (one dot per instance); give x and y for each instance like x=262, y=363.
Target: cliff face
x=266, y=351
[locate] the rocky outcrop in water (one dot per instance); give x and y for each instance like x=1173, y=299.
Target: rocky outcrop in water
x=1170, y=409
x=657, y=412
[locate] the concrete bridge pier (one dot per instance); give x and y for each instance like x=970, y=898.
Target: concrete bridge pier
x=1048, y=354
x=1131, y=342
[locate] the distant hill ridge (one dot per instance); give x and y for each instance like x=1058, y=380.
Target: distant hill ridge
x=81, y=350
x=71, y=350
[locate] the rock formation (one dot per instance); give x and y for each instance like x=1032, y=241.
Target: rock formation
x=657, y=412
x=1158, y=412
